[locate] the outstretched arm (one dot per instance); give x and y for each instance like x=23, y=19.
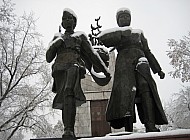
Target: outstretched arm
x=155, y=66
x=93, y=56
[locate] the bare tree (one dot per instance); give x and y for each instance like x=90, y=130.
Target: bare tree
x=178, y=110
x=179, y=54
x=50, y=130
x=24, y=79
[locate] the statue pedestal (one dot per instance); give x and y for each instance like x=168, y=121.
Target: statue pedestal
x=48, y=139
x=183, y=134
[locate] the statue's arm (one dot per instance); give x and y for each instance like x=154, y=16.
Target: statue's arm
x=53, y=46
x=155, y=66
x=93, y=56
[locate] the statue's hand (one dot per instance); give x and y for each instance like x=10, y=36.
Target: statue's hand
x=107, y=74
x=161, y=74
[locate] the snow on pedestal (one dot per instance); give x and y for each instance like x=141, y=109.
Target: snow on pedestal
x=173, y=134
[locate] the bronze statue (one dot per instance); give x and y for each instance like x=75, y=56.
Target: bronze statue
x=132, y=78
x=73, y=54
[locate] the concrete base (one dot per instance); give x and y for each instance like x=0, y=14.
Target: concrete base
x=56, y=138
x=183, y=134
x=175, y=137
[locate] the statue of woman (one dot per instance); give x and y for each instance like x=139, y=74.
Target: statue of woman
x=73, y=53
x=132, y=77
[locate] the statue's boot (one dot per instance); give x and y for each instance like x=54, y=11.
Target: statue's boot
x=149, y=112
x=129, y=124
x=68, y=116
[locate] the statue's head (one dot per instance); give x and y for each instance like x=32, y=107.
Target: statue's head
x=69, y=19
x=123, y=17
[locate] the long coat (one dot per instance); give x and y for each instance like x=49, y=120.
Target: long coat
x=130, y=47
x=72, y=50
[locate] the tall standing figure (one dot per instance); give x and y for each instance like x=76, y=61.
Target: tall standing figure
x=73, y=54
x=132, y=78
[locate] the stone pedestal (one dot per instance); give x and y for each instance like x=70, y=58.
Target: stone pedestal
x=183, y=134
x=58, y=138
x=174, y=137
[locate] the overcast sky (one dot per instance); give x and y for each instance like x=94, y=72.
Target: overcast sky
x=160, y=20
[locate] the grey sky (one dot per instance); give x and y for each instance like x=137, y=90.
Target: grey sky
x=160, y=20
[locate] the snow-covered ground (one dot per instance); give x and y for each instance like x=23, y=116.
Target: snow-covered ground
x=128, y=135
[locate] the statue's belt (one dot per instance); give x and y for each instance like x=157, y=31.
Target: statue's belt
x=67, y=57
